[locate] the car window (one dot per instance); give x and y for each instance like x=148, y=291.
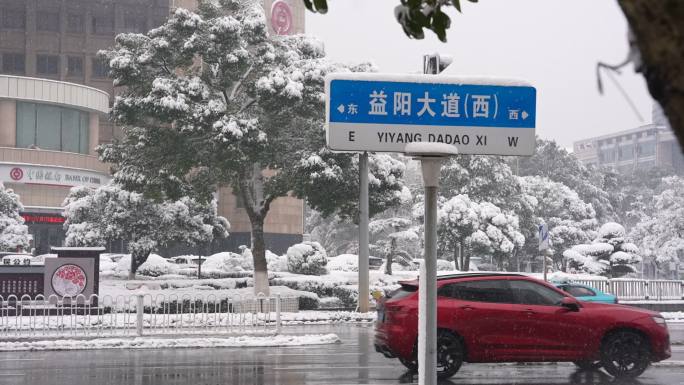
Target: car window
x=532, y=293
x=579, y=291
x=496, y=291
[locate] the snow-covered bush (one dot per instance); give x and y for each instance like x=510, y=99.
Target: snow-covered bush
x=276, y=262
x=610, y=253
x=444, y=265
x=227, y=262
x=322, y=285
x=156, y=266
x=344, y=262
x=123, y=266
x=307, y=258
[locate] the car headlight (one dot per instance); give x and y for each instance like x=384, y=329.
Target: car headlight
x=659, y=320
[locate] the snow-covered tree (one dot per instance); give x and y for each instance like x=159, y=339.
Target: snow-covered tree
x=337, y=235
x=307, y=258
x=14, y=234
x=660, y=231
x=569, y=219
x=481, y=229
x=609, y=254
x=95, y=216
x=555, y=163
x=489, y=179
x=210, y=99
x=396, y=239
x=330, y=181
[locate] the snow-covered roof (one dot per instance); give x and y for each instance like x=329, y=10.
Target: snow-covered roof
x=54, y=248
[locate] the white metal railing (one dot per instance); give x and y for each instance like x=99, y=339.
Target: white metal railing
x=137, y=315
x=638, y=289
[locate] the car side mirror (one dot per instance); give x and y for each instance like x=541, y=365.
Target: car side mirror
x=570, y=303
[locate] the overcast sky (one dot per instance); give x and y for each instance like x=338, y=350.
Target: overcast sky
x=554, y=44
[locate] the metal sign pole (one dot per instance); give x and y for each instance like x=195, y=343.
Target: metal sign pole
x=427, y=312
x=543, y=233
x=363, y=233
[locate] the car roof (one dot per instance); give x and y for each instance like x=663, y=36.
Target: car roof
x=468, y=275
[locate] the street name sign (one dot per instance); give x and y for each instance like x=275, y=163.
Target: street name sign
x=383, y=113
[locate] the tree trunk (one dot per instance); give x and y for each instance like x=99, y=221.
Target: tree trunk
x=390, y=254
x=457, y=257
x=259, y=256
x=137, y=259
x=658, y=28
x=465, y=258
x=388, y=264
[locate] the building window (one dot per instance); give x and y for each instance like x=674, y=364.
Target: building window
x=626, y=152
x=135, y=23
x=47, y=64
x=100, y=68
x=607, y=156
x=75, y=23
x=14, y=19
x=13, y=63
x=52, y=128
x=646, y=148
x=47, y=21
x=103, y=25
x=74, y=66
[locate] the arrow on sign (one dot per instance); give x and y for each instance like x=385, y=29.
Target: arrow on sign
x=525, y=115
x=341, y=108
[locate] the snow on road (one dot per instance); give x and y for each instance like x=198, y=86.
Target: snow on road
x=158, y=343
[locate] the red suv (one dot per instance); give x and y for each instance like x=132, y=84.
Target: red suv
x=486, y=317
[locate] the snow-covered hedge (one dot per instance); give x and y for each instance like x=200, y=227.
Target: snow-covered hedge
x=442, y=265
x=307, y=258
x=344, y=262
x=227, y=262
x=320, y=285
x=276, y=262
x=156, y=266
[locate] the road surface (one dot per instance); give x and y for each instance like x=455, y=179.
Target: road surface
x=354, y=361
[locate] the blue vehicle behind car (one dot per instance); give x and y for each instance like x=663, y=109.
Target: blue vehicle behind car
x=586, y=293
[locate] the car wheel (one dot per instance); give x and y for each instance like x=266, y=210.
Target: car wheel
x=411, y=365
x=450, y=354
x=588, y=365
x=625, y=354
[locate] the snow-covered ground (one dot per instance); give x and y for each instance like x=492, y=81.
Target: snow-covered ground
x=674, y=316
x=163, y=343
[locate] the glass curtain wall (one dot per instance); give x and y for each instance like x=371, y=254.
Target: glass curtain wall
x=49, y=127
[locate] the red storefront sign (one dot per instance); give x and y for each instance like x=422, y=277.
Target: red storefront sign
x=34, y=218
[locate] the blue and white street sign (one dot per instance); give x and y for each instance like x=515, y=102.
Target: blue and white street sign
x=376, y=112
x=543, y=234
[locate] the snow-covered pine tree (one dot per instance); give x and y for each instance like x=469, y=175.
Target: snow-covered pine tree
x=609, y=254
x=569, y=219
x=209, y=99
x=14, y=234
x=95, y=216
